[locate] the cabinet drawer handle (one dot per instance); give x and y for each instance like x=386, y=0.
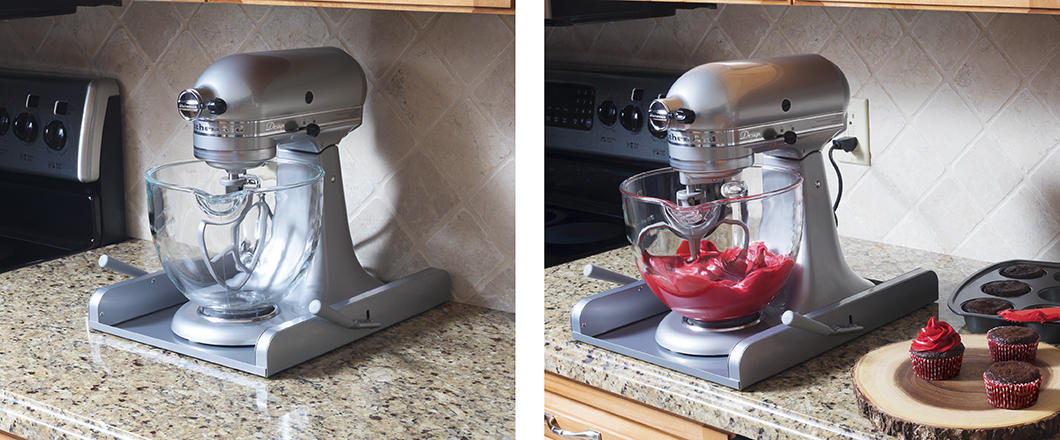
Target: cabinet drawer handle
x=586, y=434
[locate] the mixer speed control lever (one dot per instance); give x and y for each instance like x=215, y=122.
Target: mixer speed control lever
x=336, y=317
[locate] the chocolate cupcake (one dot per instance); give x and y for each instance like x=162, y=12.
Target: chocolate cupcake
x=986, y=306
x=1012, y=384
x=1006, y=288
x=937, y=352
x=1012, y=343
x=1023, y=271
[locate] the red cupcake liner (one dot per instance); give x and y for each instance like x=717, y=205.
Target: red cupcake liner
x=936, y=369
x=1012, y=395
x=1005, y=352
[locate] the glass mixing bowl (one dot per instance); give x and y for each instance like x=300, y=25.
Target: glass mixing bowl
x=745, y=233
x=235, y=254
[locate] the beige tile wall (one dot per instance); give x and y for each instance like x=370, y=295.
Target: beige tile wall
x=963, y=111
x=429, y=176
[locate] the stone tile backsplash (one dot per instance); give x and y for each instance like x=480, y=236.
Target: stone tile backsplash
x=429, y=175
x=963, y=112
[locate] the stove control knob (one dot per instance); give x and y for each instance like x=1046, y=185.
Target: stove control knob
x=313, y=130
x=608, y=113
x=55, y=135
x=25, y=127
x=631, y=117
x=5, y=121
x=790, y=137
x=661, y=134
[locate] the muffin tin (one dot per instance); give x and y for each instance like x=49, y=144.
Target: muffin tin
x=1044, y=292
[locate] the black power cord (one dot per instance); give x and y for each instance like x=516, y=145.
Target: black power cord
x=847, y=144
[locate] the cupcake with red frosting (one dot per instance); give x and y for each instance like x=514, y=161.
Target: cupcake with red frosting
x=937, y=352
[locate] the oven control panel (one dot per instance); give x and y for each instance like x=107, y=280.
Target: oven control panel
x=52, y=126
x=603, y=111
x=569, y=106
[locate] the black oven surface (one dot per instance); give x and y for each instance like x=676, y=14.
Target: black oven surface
x=16, y=253
x=583, y=207
x=62, y=187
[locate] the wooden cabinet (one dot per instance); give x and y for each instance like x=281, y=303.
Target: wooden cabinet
x=474, y=6
x=577, y=407
x=1008, y=6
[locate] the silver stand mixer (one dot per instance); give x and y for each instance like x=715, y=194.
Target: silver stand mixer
x=717, y=117
x=268, y=278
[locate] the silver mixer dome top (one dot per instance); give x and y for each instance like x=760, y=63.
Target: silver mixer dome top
x=244, y=105
x=719, y=114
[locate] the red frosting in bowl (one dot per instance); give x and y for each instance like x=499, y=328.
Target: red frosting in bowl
x=717, y=285
x=937, y=336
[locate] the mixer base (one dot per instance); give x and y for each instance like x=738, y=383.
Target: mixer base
x=676, y=334
x=192, y=324
x=625, y=320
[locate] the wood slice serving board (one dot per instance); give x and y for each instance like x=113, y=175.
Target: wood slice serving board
x=901, y=404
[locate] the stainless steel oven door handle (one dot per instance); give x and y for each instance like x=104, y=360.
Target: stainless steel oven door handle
x=589, y=434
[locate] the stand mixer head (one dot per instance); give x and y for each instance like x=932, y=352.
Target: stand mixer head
x=244, y=105
x=718, y=115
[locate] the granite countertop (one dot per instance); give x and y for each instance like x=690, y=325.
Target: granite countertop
x=810, y=400
x=448, y=373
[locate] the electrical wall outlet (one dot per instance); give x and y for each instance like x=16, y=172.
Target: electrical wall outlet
x=857, y=126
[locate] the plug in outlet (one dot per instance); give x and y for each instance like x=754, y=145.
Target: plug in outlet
x=857, y=126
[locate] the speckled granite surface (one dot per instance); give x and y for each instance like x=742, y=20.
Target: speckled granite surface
x=810, y=400
x=446, y=374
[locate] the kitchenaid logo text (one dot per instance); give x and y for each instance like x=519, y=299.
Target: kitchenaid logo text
x=218, y=129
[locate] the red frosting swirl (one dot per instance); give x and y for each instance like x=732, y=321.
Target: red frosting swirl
x=938, y=336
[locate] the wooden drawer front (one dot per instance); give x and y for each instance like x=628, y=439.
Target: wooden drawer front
x=476, y=6
x=578, y=407
x=739, y=2
x=1004, y=6
x=450, y=3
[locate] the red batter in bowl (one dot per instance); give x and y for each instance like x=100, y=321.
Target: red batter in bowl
x=718, y=285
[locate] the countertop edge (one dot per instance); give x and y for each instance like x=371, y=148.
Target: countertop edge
x=29, y=419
